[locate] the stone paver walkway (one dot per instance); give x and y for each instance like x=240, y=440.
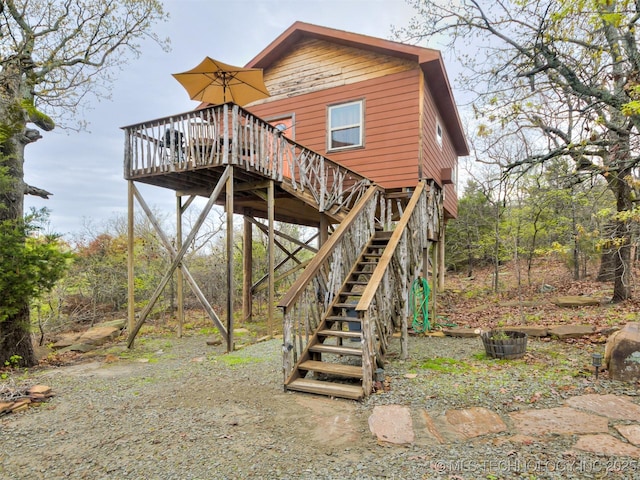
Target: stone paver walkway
x=604, y=424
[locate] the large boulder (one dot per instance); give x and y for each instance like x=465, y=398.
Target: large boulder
x=622, y=353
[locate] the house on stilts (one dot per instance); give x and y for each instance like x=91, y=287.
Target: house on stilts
x=360, y=139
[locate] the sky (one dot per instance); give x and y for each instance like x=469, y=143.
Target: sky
x=84, y=170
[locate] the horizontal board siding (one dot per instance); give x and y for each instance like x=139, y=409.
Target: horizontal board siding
x=390, y=154
x=317, y=65
x=434, y=156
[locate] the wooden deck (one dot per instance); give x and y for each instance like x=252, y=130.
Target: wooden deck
x=189, y=152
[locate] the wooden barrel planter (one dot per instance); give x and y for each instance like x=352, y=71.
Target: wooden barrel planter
x=504, y=344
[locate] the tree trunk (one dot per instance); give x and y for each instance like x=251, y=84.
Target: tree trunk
x=607, y=267
x=15, y=336
x=622, y=239
x=15, y=340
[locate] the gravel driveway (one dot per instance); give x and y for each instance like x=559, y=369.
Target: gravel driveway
x=179, y=409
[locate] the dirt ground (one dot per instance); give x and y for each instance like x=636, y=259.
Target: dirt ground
x=179, y=408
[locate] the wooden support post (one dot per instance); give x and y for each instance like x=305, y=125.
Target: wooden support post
x=425, y=268
x=230, y=293
x=271, y=215
x=434, y=281
x=404, y=266
x=324, y=229
x=179, y=277
x=247, y=267
x=441, y=264
x=131, y=301
x=178, y=259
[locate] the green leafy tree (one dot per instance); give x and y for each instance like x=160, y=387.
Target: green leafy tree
x=30, y=264
x=469, y=239
x=53, y=54
x=567, y=77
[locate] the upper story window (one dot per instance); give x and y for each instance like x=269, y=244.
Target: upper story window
x=439, y=133
x=345, y=125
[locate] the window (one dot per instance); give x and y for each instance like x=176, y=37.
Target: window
x=345, y=125
x=438, y=133
x=454, y=176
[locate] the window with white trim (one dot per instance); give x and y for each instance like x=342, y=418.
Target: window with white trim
x=439, y=133
x=454, y=176
x=345, y=126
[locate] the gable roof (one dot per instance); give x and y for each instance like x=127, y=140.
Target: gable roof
x=430, y=62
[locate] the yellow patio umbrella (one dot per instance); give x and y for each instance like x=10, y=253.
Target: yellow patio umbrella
x=215, y=82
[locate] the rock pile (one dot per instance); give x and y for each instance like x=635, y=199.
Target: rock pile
x=17, y=399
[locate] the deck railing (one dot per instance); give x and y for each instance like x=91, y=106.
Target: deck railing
x=383, y=306
x=230, y=135
x=307, y=300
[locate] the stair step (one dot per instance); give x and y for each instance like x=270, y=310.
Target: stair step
x=386, y=234
x=335, y=349
x=350, y=294
x=330, y=389
x=357, y=282
x=340, y=318
x=350, y=371
x=372, y=255
x=345, y=305
x=357, y=274
x=365, y=262
x=339, y=333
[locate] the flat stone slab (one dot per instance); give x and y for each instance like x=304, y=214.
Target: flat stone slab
x=630, y=432
x=475, y=422
x=604, y=444
x=560, y=420
x=530, y=331
x=119, y=323
x=616, y=407
x=577, y=301
x=331, y=422
x=462, y=332
x=571, y=331
x=99, y=335
x=78, y=347
x=392, y=424
x=65, y=340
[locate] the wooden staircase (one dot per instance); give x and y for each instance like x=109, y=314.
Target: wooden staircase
x=331, y=364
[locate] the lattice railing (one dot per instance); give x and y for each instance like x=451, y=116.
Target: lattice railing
x=384, y=302
x=230, y=135
x=308, y=299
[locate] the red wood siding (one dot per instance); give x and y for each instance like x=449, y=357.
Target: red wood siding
x=391, y=125
x=436, y=156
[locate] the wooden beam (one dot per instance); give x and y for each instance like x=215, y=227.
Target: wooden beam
x=434, y=279
x=179, y=278
x=247, y=270
x=185, y=271
x=258, y=288
x=441, y=259
x=271, y=209
x=251, y=186
x=326, y=249
x=290, y=255
x=179, y=256
x=229, y=207
x=324, y=229
x=131, y=306
x=265, y=230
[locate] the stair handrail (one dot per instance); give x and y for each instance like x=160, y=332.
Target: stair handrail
x=378, y=273
x=325, y=250
x=305, y=304
x=384, y=291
